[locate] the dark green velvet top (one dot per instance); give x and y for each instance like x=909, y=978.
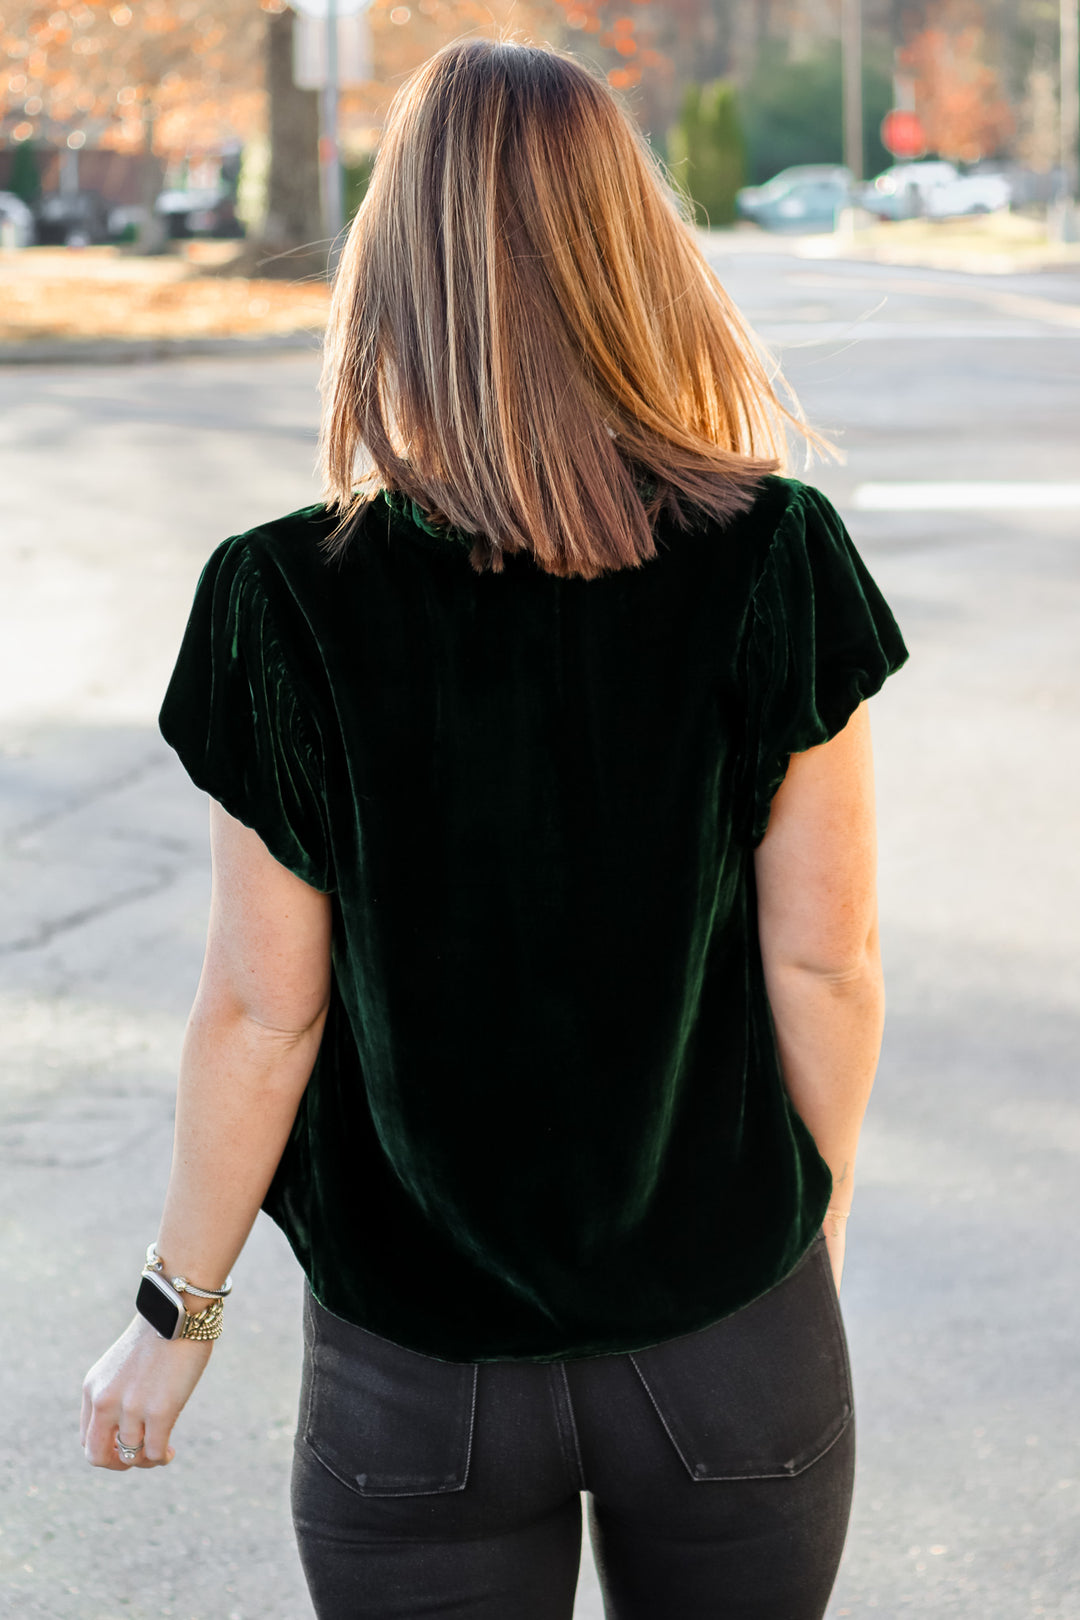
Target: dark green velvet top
x=547, y=1118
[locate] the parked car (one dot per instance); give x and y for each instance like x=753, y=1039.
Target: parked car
x=127, y=222
x=934, y=188
x=72, y=219
x=901, y=192
x=969, y=194
x=16, y=221
x=199, y=213
x=808, y=196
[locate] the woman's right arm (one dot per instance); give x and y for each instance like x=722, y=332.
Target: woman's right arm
x=250, y=1046
x=817, y=915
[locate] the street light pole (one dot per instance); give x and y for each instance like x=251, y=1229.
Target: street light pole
x=851, y=58
x=333, y=210
x=1069, y=117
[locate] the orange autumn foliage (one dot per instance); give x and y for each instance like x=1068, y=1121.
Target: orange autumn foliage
x=183, y=77
x=184, y=74
x=958, y=95
x=620, y=34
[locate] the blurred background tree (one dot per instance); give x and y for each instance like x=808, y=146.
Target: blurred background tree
x=357, y=176
x=958, y=91
x=792, y=108
x=706, y=151
x=292, y=226
x=620, y=38
x=170, y=76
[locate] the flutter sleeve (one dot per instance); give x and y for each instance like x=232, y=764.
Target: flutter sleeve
x=821, y=638
x=231, y=714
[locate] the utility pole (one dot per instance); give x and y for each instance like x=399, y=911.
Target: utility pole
x=329, y=156
x=851, y=57
x=1069, y=124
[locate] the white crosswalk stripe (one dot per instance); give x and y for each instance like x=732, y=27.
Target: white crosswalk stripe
x=962, y=496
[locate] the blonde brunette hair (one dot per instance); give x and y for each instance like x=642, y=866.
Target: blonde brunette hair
x=525, y=337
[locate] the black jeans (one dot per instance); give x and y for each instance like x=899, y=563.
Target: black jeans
x=718, y=1465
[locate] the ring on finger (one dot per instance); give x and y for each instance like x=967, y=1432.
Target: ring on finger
x=128, y=1454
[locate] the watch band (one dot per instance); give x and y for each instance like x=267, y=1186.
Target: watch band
x=163, y=1307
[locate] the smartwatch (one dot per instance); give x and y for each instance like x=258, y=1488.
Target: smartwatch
x=161, y=1304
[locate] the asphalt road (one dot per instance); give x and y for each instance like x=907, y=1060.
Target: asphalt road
x=961, y=1289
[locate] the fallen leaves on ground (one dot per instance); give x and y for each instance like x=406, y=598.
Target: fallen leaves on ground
x=65, y=294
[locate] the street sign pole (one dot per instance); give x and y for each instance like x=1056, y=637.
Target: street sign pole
x=324, y=60
x=851, y=56
x=333, y=210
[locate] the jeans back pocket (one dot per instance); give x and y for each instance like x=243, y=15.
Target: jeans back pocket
x=384, y=1420
x=762, y=1393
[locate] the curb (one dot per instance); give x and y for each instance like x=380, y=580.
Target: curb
x=112, y=351
x=987, y=265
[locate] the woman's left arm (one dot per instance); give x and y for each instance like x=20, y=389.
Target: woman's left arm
x=248, y=1052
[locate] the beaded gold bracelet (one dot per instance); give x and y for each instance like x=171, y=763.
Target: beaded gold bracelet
x=204, y=1324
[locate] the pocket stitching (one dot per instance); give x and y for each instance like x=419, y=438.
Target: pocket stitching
x=663, y=1419
x=796, y=1468
x=350, y=1481
x=832, y=1433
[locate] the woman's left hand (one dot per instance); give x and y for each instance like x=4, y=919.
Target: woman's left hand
x=135, y=1393
x=835, y=1229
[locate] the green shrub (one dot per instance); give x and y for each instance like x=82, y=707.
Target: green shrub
x=706, y=151
x=355, y=177
x=25, y=180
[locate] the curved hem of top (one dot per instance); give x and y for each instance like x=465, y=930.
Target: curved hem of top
x=586, y=1352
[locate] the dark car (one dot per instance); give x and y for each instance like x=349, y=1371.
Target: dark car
x=199, y=213
x=71, y=219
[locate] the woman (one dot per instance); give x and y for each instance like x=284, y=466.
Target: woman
x=542, y=997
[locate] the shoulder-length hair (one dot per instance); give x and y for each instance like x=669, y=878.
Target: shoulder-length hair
x=525, y=337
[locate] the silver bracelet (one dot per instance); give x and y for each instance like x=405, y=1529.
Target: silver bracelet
x=181, y=1284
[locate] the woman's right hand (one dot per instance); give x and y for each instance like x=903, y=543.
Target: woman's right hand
x=137, y=1391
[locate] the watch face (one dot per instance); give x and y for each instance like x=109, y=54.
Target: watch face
x=161, y=1311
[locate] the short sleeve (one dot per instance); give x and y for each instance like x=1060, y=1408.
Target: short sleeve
x=821, y=638
x=231, y=714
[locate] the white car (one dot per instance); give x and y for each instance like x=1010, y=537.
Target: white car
x=16, y=221
x=969, y=194
x=903, y=191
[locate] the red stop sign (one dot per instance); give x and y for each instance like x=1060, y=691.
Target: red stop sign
x=902, y=134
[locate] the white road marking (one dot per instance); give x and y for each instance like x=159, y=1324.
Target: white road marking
x=1025, y=305
x=963, y=497
x=807, y=334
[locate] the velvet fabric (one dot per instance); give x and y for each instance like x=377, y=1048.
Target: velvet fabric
x=547, y=1118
